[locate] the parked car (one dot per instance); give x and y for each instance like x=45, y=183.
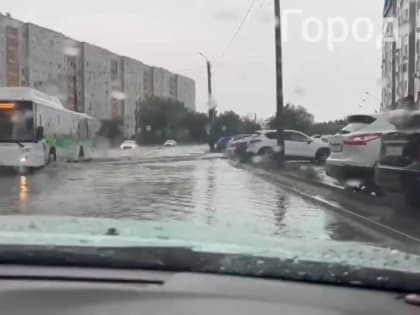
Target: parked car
x=128, y=145
x=399, y=165
x=238, y=144
x=297, y=145
x=222, y=143
x=170, y=143
x=324, y=138
x=356, y=148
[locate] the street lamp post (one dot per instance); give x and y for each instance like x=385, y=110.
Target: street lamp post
x=279, y=83
x=212, y=109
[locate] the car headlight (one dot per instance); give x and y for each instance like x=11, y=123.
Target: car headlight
x=23, y=159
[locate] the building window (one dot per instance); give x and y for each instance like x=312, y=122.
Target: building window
x=114, y=70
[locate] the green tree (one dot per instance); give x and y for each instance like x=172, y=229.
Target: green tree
x=295, y=117
x=112, y=130
x=161, y=119
x=328, y=128
x=229, y=123
x=158, y=119
x=249, y=126
x=195, y=124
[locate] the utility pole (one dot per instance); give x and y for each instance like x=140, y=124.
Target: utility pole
x=279, y=84
x=212, y=110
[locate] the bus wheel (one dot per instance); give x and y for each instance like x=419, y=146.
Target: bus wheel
x=52, y=156
x=81, y=152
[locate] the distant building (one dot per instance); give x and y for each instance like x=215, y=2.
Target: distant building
x=186, y=92
x=389, y=59
x=401, y=53
x=103, y=83
x=85, y=77
x=13, y=41
x=417, y=54
x=134, y=87
x=54, y=65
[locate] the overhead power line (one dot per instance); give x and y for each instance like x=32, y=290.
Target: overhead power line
x=238, y=30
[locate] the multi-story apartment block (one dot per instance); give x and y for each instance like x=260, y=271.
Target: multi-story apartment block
x=401, y=54
x=85, y=77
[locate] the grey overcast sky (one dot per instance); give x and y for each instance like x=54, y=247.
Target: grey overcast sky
x=169, y=33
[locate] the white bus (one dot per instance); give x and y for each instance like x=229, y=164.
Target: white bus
x=36, y=128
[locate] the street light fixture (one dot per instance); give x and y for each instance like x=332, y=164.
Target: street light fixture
x=203, y=55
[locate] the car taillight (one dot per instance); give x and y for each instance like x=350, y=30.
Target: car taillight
x=363, y=139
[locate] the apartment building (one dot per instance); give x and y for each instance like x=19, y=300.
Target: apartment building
x=401, y=53
x=85, y=77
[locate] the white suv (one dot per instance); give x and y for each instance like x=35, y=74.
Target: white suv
x=297, y=145
x=356, y=149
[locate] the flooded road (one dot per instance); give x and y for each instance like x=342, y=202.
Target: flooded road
x=200, y=192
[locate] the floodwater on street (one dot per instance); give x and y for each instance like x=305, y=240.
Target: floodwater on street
x=200, y=192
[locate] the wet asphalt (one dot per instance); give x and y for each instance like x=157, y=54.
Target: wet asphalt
x=151, y=184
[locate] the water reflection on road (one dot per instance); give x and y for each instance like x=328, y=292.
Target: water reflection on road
x=200, y=192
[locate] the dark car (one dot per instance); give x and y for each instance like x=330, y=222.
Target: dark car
x=222, y=143
x=238, y=144
x=398, y=169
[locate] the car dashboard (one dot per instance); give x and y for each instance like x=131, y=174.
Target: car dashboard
x=55, y=290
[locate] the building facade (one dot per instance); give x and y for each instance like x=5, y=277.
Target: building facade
x=54, y=65
x=186, y=91
x=103, y=83
x=12, y=52
x=417, y=52
x=86, y=78
x=401, y=54
x=133, y=79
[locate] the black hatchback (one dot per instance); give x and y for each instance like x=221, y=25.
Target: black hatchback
x=399, y=164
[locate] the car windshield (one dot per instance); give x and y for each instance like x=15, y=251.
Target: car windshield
x=282, y=131
x=16, y=122
x=352, y=128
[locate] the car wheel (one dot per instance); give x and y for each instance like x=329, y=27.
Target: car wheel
x=52, y=154
x=322, y=156
x=267, y=151
x=412, y=196
x=81, y=152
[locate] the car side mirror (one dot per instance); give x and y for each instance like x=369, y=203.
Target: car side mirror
x=309, y=141
x=39, y=133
